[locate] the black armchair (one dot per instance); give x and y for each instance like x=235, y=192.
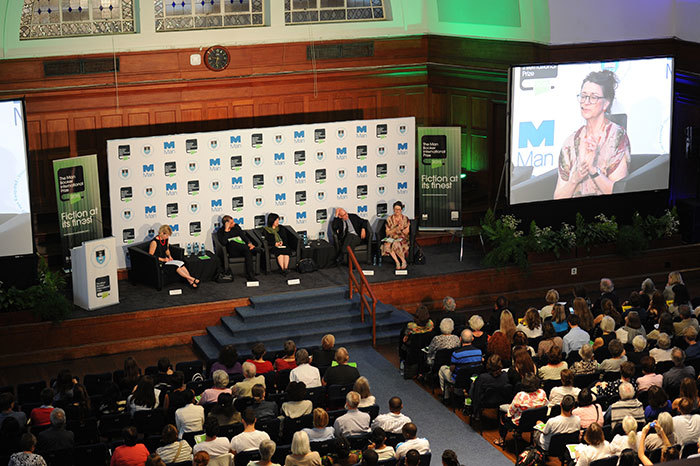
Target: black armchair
x=146, y=268
x=228, y=261
x=364, y=250
x=413, y=227
x=269, y=257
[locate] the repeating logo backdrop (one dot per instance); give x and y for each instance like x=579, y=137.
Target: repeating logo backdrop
x=302, y=173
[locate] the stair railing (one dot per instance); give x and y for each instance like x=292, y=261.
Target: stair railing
x=364, y=290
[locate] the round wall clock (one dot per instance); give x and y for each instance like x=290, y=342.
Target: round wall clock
x=216, y=58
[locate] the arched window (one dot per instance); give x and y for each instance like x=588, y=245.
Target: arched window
x=329, y=11
x=183, y=15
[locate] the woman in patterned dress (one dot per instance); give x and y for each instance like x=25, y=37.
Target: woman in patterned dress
x=397, y=237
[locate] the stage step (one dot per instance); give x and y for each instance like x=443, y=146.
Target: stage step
x=304, y=317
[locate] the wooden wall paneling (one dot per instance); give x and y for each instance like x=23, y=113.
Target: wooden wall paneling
x=343, y=103
x=318, y=106
x=139, y=118
x=414, y=105
x=267, y=112
x=390, y=105
x=368, y=105
x=479, y=116
x=437, y=108
x=243, y=109
x=295, y=105
x=56, y=134
x=458, y=110
x=84, y=128
x=217, y=111
x=192, y=113
x=112, y=120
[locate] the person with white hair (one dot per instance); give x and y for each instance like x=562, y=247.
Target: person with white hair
x=56, y=437
x=443, y=341
x=354, y=421
x=211, y=395
x=245, y=387
x=653, y=440
x=481, y=338
x=639, y=350
x=305, y=372
x=663, y=350
x=607, y=291
x=301, y=454
x=627, y=406
x=267, y=450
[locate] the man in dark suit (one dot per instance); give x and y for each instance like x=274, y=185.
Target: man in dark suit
x=237, y=243
x=350, y=231
x=56, y=437
x=607, y=290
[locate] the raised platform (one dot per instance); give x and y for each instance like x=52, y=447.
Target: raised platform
x=148, y=319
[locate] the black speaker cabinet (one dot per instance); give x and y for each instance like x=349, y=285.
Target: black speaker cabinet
x=689, y=216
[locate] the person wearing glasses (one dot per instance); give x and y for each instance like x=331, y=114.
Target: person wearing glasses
x=596, y=155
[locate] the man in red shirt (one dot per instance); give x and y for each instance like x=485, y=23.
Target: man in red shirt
x=41, y=416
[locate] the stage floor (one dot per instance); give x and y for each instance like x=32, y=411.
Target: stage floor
x=440, y=259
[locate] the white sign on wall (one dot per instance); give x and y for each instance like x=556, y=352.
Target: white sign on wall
x=302, y=173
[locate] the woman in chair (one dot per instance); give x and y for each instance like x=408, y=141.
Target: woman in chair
x=395, y=244
x=276, y=237
x=160, y=247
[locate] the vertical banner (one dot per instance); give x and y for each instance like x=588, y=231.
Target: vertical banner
x=78, y=198
x=439, y=182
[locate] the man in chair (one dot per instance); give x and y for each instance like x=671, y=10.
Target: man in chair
x=350, y=231
x=238, y=244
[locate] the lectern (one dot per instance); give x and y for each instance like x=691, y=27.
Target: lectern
x=95, y=274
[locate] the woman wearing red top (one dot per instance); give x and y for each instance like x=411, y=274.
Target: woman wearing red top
x=41, y=416
x=532, y=396
x=288, y=361
x=261, y=366
x=131, y=453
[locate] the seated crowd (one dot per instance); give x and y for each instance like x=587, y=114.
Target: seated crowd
x=267, y=410
x=620, y=374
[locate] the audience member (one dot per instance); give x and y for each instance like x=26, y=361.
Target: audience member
x=301, y=454
x=493, y=377
x=250, y=438
x=689, y=390
x=520, y=341
x=674, y=376
x=411, y=442
x=464, y=358
x=132, y=374
x=267, y=450
x=215, y=446
x=227, y=362
x=131, y=453
x=551, y=298
x=10, y=436
x=177, y=397
x=56, y=437
x=343, y=373
x=521, y=365
x=565, y=423
x=532, y=396
x=583, y=312
x=691, y=338
x=657, y=403
x=608, y=309
x=296, y=405
x=552, y=370
x=145, y=396
x=421, y=323
x=263, y=409
x=250, y=379
x=611, y=389
x=225, y=411
x=607, y=291
x=494, y=318
x=7, y=405
x=201, y=459
x=320, y=430
x=597, y=447
x=392, y=421
x=80, y=408
x=211, y=395
x=639, y=350
x=633, y=328
x=499, y=341
x=668, y=453
x=481, y=339
x=587, y=411
x=288, y=360
x=369, y=458
x=557, y=394
x=163, y=378
x=443, y=341
x=40, y=416
x=628, y=405
x=587, y=364
x=644, y=295
x=449, y=458
x=649, y=376
x=173, y=449
x=324, y=356
x=344, y=455
x=261, y=365
x=576, y=337
x=662, y=352
x=549, y=339
x=653, y=440
x=605, y=333
x=27, y=457
x=665, y=325
x=559, y=319
x=378, y=444
x=305, y=372
x=63, y=386
x=532, y=324
x=189, y=418
x=412, y=458
x=354, y=421
x=626, y=440
x=617, y=357
x=154, y=459
x=362, y=387
x=686, y=426
x=688, y=320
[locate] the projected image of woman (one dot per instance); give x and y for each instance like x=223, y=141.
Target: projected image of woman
x=596, y=155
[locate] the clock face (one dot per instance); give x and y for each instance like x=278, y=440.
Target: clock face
x=216, y=58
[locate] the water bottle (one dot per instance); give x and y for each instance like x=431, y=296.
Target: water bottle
x=189, y=249
x=203, y=250
x=379, y=261
x=196, y=249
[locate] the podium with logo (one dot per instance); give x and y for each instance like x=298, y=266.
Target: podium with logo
x=95, y=274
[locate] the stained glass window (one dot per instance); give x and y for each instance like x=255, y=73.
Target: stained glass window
x=182, y=15
x=42, y=19
x=325, y=11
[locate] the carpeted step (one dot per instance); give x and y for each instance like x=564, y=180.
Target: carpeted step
x=206, y=346
x=293, y=309
x=278, y=300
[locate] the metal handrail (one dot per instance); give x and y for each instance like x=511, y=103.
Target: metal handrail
x=362, y=288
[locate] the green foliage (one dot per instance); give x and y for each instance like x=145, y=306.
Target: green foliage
x=602, y=230
x=46, y=300
x=631, y=240
x=508, y=243
x=655, y=228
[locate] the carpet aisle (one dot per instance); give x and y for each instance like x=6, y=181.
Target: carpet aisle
x=435, y=422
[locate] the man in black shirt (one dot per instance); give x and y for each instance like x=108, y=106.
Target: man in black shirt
x=237, y=243
x=342, y=374
x=350, y=231
x=56, y=437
